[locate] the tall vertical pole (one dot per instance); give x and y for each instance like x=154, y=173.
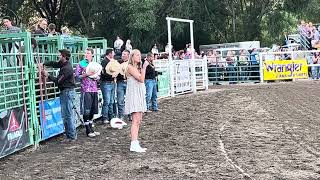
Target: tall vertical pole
x=193, y=68
x=261, y=67
x=171, y=62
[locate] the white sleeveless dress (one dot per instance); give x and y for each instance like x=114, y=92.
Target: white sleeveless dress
x=135, y=100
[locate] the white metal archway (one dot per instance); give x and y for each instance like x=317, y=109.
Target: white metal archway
x=169, y=19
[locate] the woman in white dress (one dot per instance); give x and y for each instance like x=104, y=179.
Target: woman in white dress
x=135, y=102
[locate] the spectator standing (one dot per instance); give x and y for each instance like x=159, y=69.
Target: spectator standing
x=316, y=69
x=107, y=87
x=65, y=32
x=66, y=84
x=255, y=73
x=118, y=43
x=230, y=59
x=52, y=30
x=128, y=45
x=41, y=28
x=243, y=63
x=122, y=86
x=167, y=48
x=151, y=85
x=135, y=102
x=8, y=27
x=89, y=93
x=154, y=49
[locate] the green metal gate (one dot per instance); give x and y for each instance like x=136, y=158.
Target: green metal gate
x=17, y=94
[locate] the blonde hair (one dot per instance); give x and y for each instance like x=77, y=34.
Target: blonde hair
x=40, y=21
x=132, y=62
x=65, y=30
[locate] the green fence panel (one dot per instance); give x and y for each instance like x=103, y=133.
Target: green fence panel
x=99, y=46
x=164, y=84
x=47, y=91
x=19, y=127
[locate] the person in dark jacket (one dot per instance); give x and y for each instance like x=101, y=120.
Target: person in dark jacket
x=41, y=29
x=151, y=85
x=122, y=86
x=66, y=84
x=107, y=86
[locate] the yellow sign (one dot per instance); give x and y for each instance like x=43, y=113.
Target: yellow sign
x=285, y=69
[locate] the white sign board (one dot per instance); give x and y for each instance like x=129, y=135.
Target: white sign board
x=182, y=76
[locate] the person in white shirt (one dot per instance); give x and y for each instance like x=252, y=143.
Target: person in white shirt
x=154, y=49
x=118, y=43
x=167, y=48
x=128, y=45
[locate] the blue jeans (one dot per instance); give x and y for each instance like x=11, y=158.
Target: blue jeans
x=315, y=72
x=121, y=91
x=151, y=94
x=107, y=89
x=67, y=97
x=231, y=72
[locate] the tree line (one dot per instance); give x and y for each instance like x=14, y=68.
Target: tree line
x=144, y=23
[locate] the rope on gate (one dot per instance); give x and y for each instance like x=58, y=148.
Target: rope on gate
x=40, y=70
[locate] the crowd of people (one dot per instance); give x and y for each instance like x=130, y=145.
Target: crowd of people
x=311, y=33
x=133, y=81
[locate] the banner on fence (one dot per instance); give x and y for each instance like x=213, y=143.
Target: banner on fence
x=285, y=69
x=13, y=132
x=182, y=76
x=51, y=123
x=163, y=84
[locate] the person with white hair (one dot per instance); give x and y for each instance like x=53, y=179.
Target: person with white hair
x=154, y=49
x=128, y=45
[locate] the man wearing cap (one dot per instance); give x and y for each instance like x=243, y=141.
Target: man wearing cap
x=9, y=28
x=66, y=84
x=151, y=85
x=122, y=86
x=107, y=87
x=89, y=93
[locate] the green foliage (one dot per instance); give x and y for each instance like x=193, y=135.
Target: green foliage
x=143, y=21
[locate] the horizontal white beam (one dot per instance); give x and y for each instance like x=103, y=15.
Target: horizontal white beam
x=178, y=19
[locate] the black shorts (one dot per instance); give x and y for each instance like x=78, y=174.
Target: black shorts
x=89, y=103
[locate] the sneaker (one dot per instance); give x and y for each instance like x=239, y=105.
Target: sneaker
x=97, y=133
x=106, y=121
x=137, y=149
x=148, y=111
x=91, y=135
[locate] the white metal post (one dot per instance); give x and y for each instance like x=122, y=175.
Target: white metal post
x=171, y=62
x=261, y=66
x=193, y=71
x=193, y=67
x=206, y=75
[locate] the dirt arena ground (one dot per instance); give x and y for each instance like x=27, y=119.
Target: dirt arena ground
x=262, y=132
